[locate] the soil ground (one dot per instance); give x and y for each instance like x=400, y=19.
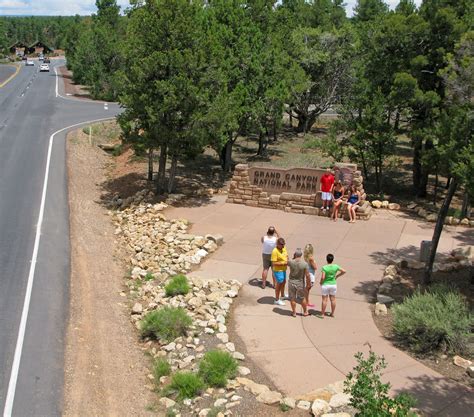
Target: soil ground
x=105, y=368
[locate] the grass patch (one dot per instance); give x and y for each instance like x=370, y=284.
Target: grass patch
x=149, y=277
x=216, y=367
x=185, y=385
x=284, y=407
x=214, y=411
x=161, y=367
x=166, y=324
x=178, y=285
x=435, y=320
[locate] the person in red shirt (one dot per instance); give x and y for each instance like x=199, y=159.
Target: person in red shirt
x=326, y=186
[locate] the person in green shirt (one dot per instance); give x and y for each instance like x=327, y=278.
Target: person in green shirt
x=329, y=274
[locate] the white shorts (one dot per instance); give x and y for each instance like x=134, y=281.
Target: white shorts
x=311, y=278
x=326, y=196
x=328, y=289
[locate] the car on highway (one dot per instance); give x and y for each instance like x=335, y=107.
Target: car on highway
x=44, y=68
x=29, y=63
x=46, y=60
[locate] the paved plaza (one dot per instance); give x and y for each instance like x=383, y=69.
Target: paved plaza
x=304, y=353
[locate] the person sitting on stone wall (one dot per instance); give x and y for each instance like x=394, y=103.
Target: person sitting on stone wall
x=337, y=195
x=353, y=203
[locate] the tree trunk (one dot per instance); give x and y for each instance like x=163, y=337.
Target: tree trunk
x=417, y=145
x=274, y=130
x=466, y=207
x=262, y=144
x=150, y=164
x=160, y=181
x=443, y=211
x=435, y=191
x=397, y=121
x=171, y=179
x=226, y=155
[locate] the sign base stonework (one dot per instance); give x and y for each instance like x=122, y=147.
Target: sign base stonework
x=294, y=190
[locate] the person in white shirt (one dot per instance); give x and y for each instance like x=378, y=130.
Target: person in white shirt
x=268, y=244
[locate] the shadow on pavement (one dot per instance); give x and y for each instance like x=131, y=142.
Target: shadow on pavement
x=282, y=311
x=266, y=300
x=368, y=289
x=466, y=236
x=439, y=397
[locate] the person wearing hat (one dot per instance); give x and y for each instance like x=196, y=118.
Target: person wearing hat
x=299, y=282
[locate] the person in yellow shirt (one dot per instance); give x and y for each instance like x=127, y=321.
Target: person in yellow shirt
x=279, y=264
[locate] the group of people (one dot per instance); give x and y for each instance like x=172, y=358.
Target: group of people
x=302, y=273
x=334, y=192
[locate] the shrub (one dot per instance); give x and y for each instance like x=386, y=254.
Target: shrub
x=167, y=323
x=438, y=319
x=177, y=285
x=185, y=385
x=149, y=277
x=216, y=367
x=161, y=367
x=369, y=395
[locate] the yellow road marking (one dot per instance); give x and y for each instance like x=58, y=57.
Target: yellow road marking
x=11, y=76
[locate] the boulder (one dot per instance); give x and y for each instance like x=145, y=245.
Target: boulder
x=463, y=363
x=289, y=402
x=384, y=299
x=385, y=288
x=463, y=252
x=320, y=407
x=317, y=394
x=385, y=204
x=137, y=308
x=243, y=370
x=376, y=204
x=304, y=405
x=339, y=400
x=394, y=206
x=269, y=397
x=220, y=402
x=167, y=402
x=253, y=387
x=380, y=309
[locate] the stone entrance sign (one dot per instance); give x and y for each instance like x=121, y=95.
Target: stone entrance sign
x=294, y=180
x=294, y=190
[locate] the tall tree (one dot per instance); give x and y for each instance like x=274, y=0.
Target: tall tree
x=366, y=10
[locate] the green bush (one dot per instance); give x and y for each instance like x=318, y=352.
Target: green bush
x=185, y=385
x=216, y=367
x=161, y=367
x=167, y=323
x=177, y=285
x=437, y=319
x=369, y=395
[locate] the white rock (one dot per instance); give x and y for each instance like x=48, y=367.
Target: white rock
x=470, y=371
x=461, y=362
x=235, y=398
x=339, y=400
x=376, y=204
x=167, y=402
x=224, y=304
x=230, y=347
x=169, y=347
x=243, y=370
x=137, y=308
x=269, y=397
x=391, y=270
x=239, y=356
x=204, y=412
x=231, y=294
x=320, y=407
x=289, y=402
x=223, y=337
x=202, y=253
x=208, y=330
x=253, y=387
x=380, y=309
x=220, y=402
x=304, y=405
x=195, y=302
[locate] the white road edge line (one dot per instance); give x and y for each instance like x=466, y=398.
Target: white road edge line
x=7, y=412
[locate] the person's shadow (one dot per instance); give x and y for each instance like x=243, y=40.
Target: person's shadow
x=257, y=282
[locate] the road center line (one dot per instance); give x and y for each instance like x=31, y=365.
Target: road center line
x=7, y=412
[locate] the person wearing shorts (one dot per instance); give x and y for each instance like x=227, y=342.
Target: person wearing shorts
x=329, y=274
x=326, y=185
x=279, y=264
x=268, y=244
x=309, y=259
x=298, y=282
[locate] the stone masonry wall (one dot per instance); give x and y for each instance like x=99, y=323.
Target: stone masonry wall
x=241, y=191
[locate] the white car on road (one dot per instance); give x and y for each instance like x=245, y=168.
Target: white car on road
x=30, y=63
x=44, y=68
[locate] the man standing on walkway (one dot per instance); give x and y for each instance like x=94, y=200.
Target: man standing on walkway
x=299, y=281
x=326, y=186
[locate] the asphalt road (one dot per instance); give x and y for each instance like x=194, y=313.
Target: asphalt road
x=32, y=109
x=6, y=71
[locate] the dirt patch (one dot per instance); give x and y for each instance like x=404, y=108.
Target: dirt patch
x=411, y=280
x=105, y=372
x=70, y=87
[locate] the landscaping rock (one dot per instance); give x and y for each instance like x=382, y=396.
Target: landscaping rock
x=339, y=400
x=391, y=270
x=385, y=204
x=304, y=405
x=217, y=239
x=470, y=371
x=167, y=402
x=320, y=407
x=137, y=308
x=169, y=347
x=337, y=387
x=289, y=402
x=380, y=309
x=376, y=204
x=385, y=288
x=239, y=356
x=204, y=412
x=463, y=363
x=269, y=397
x=394, y=206
x=253, y=387
x=318, y=394
x=220, y=402
x=243, y=370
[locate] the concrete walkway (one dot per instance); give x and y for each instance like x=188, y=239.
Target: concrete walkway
x=302, y=354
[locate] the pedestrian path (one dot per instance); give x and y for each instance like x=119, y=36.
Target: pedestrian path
x=302, y=354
